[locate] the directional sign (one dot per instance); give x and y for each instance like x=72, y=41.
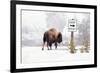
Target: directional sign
x=72, y=25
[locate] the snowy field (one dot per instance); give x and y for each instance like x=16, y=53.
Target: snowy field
x=31, y=55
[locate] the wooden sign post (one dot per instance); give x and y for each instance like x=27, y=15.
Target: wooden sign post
x=72, y=29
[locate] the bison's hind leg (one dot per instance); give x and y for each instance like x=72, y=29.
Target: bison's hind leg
x=55, y=45
x=43, y=45
x=42, y=48
x=50, y=44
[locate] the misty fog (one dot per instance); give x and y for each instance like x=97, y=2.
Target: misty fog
x=35, y=23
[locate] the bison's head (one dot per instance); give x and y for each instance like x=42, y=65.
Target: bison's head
x=59, y=38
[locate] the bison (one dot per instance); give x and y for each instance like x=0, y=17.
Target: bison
x=52, y=36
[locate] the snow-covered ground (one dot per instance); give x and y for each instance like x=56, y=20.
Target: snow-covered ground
x=31, y=55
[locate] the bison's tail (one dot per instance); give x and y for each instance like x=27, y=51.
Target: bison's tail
x=44, y=37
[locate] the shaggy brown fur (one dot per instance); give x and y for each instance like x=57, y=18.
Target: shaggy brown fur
x=52, y=36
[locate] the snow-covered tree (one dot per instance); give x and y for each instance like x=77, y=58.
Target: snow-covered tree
x=84, y=31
